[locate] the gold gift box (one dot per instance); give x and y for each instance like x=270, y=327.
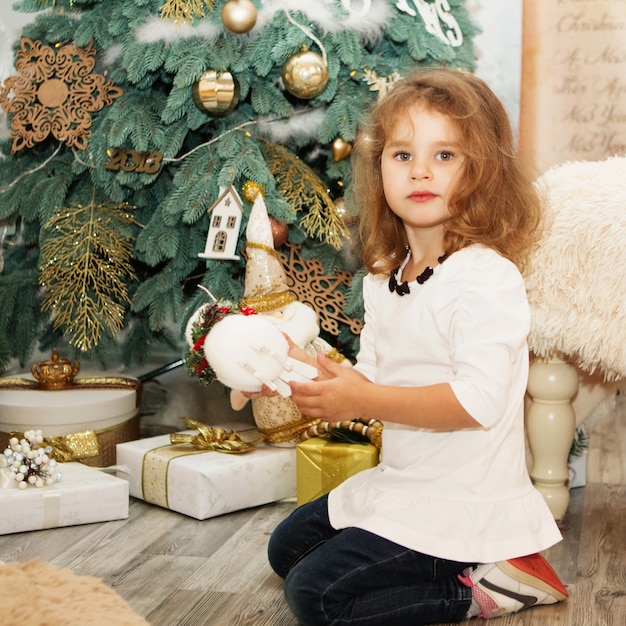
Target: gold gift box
x=321, y=465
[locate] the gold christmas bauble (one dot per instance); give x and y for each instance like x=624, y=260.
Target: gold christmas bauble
x=216, y=93
x=305, y=75
x=341, y=149
x=239, y=16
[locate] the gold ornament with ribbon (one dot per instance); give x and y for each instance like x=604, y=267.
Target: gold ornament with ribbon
x=216, y=93
x=305, y=74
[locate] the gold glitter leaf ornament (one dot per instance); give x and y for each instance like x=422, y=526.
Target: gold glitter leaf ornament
x=54, y=94
x=85, y=268
x=305, y=191
x=184, y=10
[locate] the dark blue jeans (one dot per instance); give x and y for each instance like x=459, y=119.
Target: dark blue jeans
x=352, y=576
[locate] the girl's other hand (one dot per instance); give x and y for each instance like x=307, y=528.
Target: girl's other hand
x=336, y=394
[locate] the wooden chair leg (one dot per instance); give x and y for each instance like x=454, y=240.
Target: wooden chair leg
x=551, y=426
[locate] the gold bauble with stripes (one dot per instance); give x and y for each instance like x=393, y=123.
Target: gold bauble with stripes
x=216, y=93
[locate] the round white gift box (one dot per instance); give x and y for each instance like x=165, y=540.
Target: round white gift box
x=112, y=412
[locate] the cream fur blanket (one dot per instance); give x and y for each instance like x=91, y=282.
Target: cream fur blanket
x=577, y=278
x=39, y=594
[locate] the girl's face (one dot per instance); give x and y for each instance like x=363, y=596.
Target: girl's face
x=421, y=165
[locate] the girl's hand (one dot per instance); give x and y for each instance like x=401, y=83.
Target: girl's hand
x=337, y=394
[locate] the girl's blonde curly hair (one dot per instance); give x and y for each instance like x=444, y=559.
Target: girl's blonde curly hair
x=495, y=203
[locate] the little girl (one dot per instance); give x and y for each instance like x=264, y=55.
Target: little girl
x=448, y=526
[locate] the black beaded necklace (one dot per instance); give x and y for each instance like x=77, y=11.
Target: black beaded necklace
x=403, y=288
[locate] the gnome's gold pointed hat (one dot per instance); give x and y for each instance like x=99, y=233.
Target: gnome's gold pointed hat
x=266, y=284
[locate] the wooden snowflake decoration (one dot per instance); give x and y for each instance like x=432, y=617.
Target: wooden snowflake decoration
x=308, y=281
x=55, y=94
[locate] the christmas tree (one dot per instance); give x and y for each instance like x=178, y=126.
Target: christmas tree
x=132, y=121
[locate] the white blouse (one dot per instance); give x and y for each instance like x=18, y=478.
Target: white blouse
x=463, y=495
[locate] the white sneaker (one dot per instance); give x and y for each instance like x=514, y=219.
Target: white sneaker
x=513, y=585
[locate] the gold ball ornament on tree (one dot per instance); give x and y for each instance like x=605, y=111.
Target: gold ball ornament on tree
x=239, y=16
x=305, y=74
x=216, y=93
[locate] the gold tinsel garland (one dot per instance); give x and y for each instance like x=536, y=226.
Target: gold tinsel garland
x=85, y=266
x=305, y=191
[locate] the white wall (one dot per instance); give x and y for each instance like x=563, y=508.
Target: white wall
x=499, y=49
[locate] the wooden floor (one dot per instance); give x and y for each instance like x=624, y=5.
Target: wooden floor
x=177, y=571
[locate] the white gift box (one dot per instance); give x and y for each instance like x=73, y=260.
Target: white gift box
x=109, y=407
x=204, y=484
x=83, y=495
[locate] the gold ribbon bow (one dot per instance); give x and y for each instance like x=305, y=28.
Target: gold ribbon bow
x=73, y=447
x=216, y=439
x=69, y=448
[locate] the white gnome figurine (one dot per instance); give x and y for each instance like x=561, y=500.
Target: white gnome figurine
x=245, y=351
x=266, y=291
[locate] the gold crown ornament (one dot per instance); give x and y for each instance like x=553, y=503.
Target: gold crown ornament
x=55, y=373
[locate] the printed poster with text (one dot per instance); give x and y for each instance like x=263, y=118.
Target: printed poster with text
x=573, y=102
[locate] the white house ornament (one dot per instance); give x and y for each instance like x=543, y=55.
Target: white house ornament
x=305, y=74
x=239, y=16
x=55, y=94
x=216, y=93
x=225, y=221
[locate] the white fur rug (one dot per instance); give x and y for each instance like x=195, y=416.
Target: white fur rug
x=40, y=594
x=577, y=279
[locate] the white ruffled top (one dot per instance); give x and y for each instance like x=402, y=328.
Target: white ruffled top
x=463, y=495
